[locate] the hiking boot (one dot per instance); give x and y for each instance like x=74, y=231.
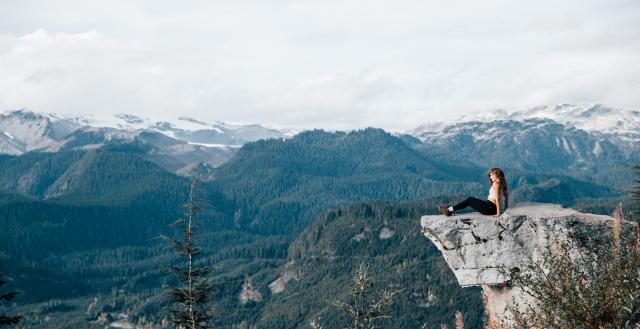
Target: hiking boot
x=445, y=210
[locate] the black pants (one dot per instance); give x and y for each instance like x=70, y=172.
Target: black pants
x=484, y=207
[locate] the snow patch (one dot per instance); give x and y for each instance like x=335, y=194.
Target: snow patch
x=565, y=145
x=597, y=149
x=215, y=145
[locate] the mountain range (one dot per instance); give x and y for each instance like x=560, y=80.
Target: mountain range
x=23, y=130
x=185, y=146
x=288, y=218
x=593, y=143
x=599, y=119
x=587, y=136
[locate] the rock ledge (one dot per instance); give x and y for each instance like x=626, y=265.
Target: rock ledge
x=483, y=250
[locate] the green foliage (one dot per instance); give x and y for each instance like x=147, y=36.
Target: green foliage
x=366, y=311
x=78, y=224
x=7, y=297
x=280, y=186
x=555, y=189
x=387, y=236
x=295, y=180
x=32, y=173
x=635, y=195
x=540, y=151
x=190, y=299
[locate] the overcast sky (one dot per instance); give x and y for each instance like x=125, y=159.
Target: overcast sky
x=325, y=64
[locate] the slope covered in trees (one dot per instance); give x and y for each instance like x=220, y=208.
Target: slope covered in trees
x=81, y=223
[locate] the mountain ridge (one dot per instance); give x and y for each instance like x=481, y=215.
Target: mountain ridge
x=38, y=131
x=600, y=119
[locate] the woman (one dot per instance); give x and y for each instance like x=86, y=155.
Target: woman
x=491, y=206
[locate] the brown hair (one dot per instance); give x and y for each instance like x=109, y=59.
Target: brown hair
x=503, y=181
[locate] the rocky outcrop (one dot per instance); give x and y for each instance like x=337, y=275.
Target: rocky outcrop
x=279, y=284
x=249, y=293
x=484, y=250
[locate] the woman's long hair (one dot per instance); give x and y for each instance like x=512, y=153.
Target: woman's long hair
x=503, y=181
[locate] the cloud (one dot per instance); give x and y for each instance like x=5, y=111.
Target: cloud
x=61, y=71
x=330, y=64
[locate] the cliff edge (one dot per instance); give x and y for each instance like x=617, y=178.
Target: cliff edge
x=483, y=250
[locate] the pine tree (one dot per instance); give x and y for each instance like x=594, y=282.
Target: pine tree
x=366, y=312
x=190, y=299
x=635, y=195
x=7, y=320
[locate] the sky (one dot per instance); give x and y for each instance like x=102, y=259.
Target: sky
x=328, y=64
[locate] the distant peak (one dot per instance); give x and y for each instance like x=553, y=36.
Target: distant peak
x=565, y=105
x=192, y=120
x=593, y=118
x=490, y=115
x=130, y=118
x=23, y=112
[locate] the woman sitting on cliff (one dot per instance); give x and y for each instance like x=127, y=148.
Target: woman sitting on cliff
x=491, y=206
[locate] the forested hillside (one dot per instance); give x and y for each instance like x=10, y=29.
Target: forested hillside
x=80, y=227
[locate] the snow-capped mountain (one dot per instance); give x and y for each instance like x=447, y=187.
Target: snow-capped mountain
x=181, y=145
x=596, y=118
x=535, y=145
x=620, y=124
x=22, y=131
x=10, y=145
x=198, y=132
